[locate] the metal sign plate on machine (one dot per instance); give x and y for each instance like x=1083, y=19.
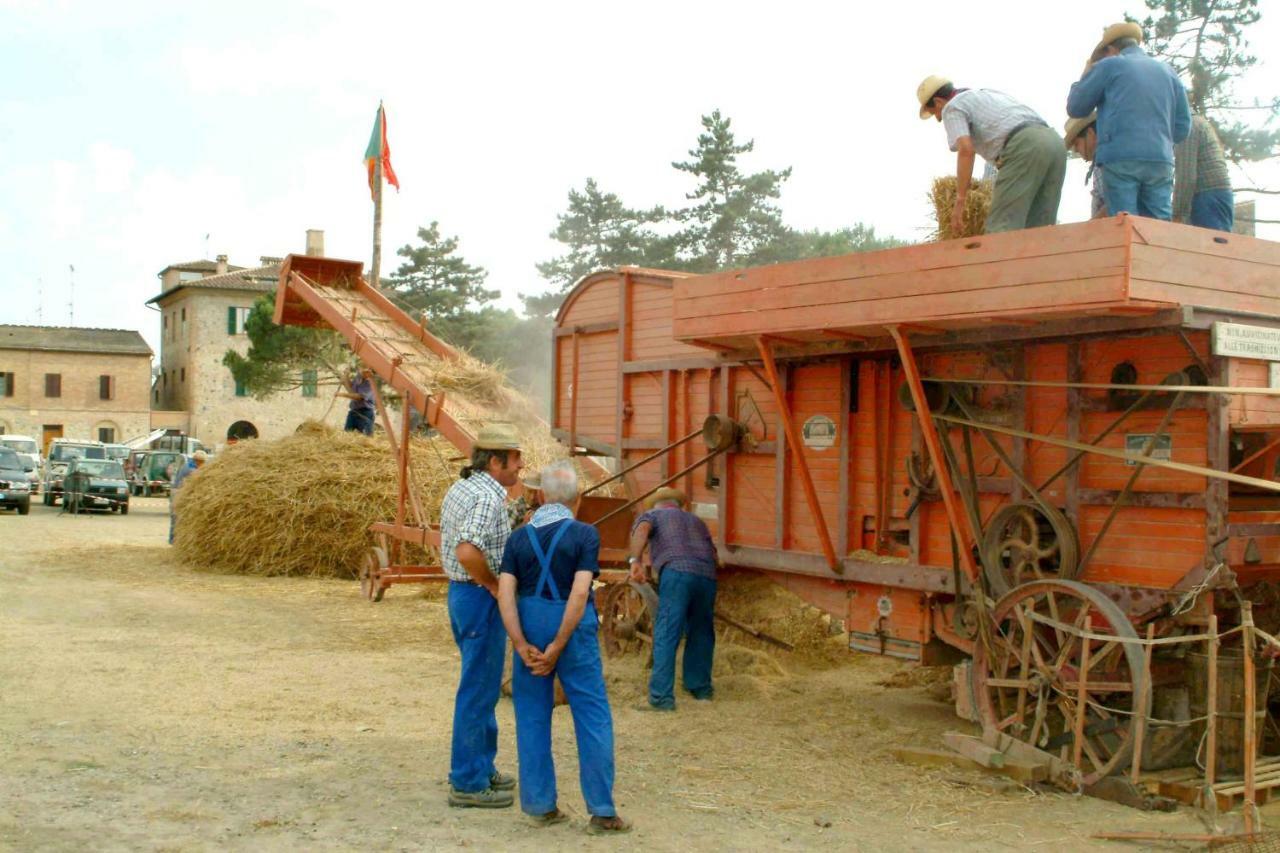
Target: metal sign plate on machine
x=1242, y=341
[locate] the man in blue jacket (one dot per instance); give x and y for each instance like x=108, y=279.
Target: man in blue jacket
x=1142, y=113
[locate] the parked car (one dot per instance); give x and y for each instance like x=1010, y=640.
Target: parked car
x=14, y=491
x=153, y=471
x=28, y=450
x=95, y=484
x=61, y=453
x=116, y=452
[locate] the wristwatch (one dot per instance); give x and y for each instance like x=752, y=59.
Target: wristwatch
x=633, y=560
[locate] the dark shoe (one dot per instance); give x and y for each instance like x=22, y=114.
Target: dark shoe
x=500, y=781
x=607, y=826
x=706, y=696
x=486, y=799
x=551, y=818
x=649, y=706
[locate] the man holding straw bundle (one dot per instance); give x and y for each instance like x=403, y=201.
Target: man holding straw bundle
x=1029, y=155
x=474, y=529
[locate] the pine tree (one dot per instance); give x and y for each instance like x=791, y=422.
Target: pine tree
x=435, y=280
x=1204, y=40
x=282, y=358
x=598, y=232
x=734, y=219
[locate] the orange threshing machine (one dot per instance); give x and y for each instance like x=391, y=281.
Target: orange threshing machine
x=1095, y=479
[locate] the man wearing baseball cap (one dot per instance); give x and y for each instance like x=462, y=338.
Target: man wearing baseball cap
x=1142, y=113
x=474, y=529
x=1009, y=135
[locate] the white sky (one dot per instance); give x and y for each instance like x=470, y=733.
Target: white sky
x=129, y=131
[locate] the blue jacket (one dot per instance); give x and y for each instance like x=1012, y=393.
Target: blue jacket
x=1141, y=103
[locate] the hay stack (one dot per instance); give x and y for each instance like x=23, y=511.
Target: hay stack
x=977, y=205
x=302, y=505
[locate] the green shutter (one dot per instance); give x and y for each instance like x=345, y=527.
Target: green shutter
x=309, y=383
x=240, y=389
x=231, y=321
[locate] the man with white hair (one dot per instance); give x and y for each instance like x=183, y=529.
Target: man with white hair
x=682, y=552
x=544, y=594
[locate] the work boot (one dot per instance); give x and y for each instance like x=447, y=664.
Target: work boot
x=486, y=799
x=500, y=781
x=646, y=705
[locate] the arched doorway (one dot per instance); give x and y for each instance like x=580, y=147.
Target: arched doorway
x=241, y=430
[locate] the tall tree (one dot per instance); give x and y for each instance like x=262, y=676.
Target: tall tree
x=436, y=280
x=815, y=243
x=598, y=231
x=282, y=358
x=734, y=217
x=1204, y=40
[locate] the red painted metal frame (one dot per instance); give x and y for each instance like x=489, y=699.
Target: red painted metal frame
x=795, y=448
x=958, y=518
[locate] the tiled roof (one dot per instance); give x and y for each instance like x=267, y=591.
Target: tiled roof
x=198, y=266
x=257, y=279
x=73, y=339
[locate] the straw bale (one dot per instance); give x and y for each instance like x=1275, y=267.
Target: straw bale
x=977, y=204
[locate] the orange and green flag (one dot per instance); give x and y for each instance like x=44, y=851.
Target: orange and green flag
x=379, y=150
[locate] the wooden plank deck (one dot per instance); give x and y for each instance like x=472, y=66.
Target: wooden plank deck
x=1122, y=266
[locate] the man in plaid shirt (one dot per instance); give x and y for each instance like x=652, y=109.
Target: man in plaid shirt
x=474, y=529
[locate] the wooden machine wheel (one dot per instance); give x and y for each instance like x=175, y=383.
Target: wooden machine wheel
x=1026, y=542
x=627, y=613
x=1027, y=674
x=375, y=560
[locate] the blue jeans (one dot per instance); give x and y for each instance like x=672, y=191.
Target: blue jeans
x=359, y=420
x=582, y=677
x=1144, y=187
x=1214, y=209
x=477, y=629
x=686, y=607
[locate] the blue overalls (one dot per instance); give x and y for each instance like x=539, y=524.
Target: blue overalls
x=477, y=629
x=582, y=677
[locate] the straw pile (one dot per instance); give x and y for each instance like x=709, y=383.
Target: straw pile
x=302, y=505
x=767, y=607
x=977, y=204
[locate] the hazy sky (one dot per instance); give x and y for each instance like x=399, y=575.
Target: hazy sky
x=129, y=131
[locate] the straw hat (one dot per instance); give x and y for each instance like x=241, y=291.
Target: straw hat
x=1077, y=126
x=1115, y=32
x=532, y=483
x=927, y=89
x=200, y=456
x=666, y=493
x=497, y=436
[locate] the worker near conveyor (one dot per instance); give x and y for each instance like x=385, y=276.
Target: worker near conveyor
x=1081, y=137
x=684, y=556
x=359, y=390
x=474, y=529
x=184, y=470
x=547, y=606
x=1028, y=154
x=1142, y=114
x=1202, y=193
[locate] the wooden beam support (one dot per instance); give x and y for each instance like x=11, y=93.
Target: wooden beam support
x=959, y=519
x=587, y=329
x=802, y=466
x=781, y=506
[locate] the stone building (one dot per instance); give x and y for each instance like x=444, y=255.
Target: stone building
x=203, y=306
x=74, y=383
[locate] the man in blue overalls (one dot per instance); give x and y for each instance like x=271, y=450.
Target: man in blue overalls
x=545, y=597
x=474, y=529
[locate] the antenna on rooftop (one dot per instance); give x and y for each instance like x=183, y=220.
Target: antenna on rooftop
x=71, y=296
x=39, y=301
x=206, y=247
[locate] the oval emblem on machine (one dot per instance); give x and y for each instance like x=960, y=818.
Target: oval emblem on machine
x=819, y=432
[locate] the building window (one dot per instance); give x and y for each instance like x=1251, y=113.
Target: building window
x=184, y=315
x=7, y=384
x=182, y=374
x=309, y=383
x=107, y=435
x=53, y=384
x=241, y=391
x=236, y=318
x=106, y=387
x=157, y=396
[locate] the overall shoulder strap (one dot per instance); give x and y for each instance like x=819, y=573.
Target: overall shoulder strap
x=544, y=559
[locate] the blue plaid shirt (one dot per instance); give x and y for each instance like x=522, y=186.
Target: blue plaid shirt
x=474, y=510
x=679, y=541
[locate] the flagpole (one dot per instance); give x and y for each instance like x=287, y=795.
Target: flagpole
x=375, y=271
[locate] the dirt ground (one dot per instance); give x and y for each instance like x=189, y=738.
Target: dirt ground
x=147, y=706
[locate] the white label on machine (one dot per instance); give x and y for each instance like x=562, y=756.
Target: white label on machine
x=1134, y=443
x=705, y=510
x=819, y=432
x=1241, y=341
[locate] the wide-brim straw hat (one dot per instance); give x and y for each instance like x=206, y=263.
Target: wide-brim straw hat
x=532, y=483
x=497, y=436
x=1077, y=126
x=666, y=493
x=927, y=89
x=1122, y=30
x=200, y=456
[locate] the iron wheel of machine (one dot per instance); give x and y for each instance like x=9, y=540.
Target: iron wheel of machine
x=627, y=612
x=375, y=560
x=1026, y=542
x=1028, y=680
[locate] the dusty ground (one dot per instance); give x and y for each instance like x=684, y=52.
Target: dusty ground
x=147, y=706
